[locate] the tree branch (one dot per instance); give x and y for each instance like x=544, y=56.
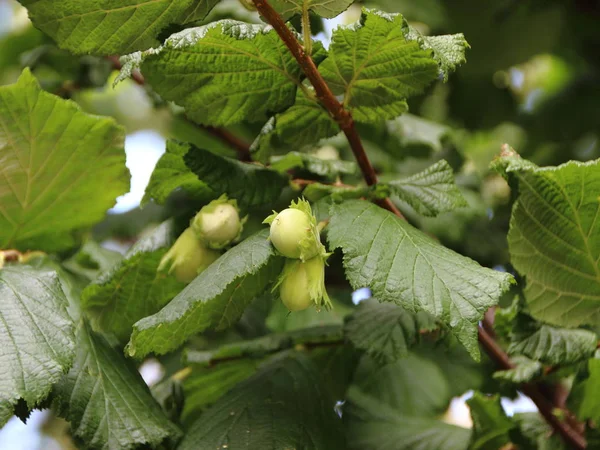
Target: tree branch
x=341, y=115
x=346, y=123
x=242, y=148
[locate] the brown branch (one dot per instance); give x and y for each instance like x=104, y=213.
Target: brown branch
x=341, y=115
x=242, y=148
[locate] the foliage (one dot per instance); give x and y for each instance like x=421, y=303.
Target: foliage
x=482, y=262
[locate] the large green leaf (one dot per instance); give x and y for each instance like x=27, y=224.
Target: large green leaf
x=214, y=300
x=403, y=265
x=106, y=27
x=536, y=434
x=249, y=184
x=37, y=336
x=386, y=331
x=61, y=168
x=524, y=371
x=225, y=72
x=554, y=239
x=282, y=406
x=171, y=173
x=375, y=66
x=106, y=400
x=491, y=426
x=324, y=8
x=430, y=192
x=313, y=164
x=133, y=288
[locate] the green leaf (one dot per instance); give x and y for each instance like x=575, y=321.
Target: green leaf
x=491, y=426
x=536, y=433
x=554, y=239
x=402, y=265
x=313, y=164
x=300, y=126
x=430, y=192
x=553, y=345
x=171, y=173
x=375, y=66
x=262, y=346
x=91, y=260
x=282, y=406
x=214, y=300
x=373, y=425
x=37, y=336
x=62, y=168
x=133, y=288
x=448, y=50
x=249, y=184
x=386, y=331
x=525, y=371
x=206, y=385
x=590, y=407
x=106, y=400
x=225, y=72
x=280, y=319
x=324, y=8
x=107, y=27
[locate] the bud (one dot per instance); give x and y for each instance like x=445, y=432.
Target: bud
x=302, y=284
x=187, y=257
x=294, y=232
x=218, y=224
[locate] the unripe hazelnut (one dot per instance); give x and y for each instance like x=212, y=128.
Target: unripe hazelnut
x=218, y=224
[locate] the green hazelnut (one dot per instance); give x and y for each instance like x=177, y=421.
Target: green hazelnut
x=302, y=284
x=218, y=224
x=187, y=257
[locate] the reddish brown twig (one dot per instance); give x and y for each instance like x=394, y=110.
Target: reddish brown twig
x=341, y=115
x=242, y=148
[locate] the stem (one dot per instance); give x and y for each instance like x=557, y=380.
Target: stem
x=242, y=148
x=346, y=123
x=307, y=35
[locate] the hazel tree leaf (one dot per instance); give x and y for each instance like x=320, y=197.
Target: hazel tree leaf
x=106, y=400
x=554, y=345
x=133, y=288
x=386, y=331
x=491, y=426
x=536, y=433
x=589, y=408
x=225, y=72
x=91, y=260
x=249, y=184
x=61, y=169
x=554, y=239
x=300, y=126
x=37, y=336
x=313, y=164
x=400, y=264
x=430, y=192
x=281, y=406
x=324, y=8
x=215, y=299
x=171, y=173
x=375, y=66
x=108, y=27
x=526, y=370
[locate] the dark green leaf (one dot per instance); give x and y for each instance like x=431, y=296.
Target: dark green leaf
x=107, y=27
x=171, y=173
x=525, y=370
x=386, y=331
x=37, y=336
x=214, y=300
x=536, y=433
x=491, y=426
x=62, y=168
x=249, y=184
x=324, y=8
x=590, y=406
x=402, y=265
x=313, y=164
x=430, y=192
x=225, y=72
x=282, y=406
x=133, y=288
